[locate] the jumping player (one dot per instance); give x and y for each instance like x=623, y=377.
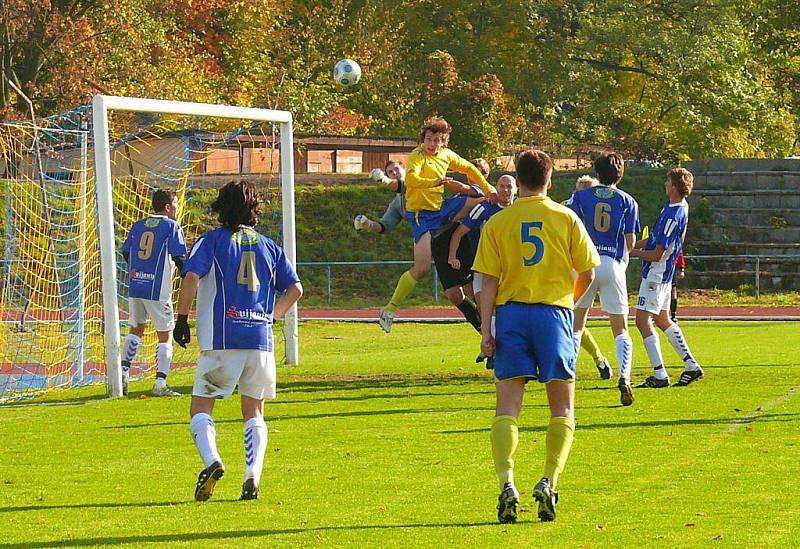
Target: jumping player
x=426, y=179
x=396, y=211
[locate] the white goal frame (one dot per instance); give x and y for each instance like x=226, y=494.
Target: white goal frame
x=101, y=104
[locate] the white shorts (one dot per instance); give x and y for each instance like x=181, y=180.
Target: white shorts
x=160, y=312
x=477, y=282
x=219, y=372
x=654, y=297
x=610, y=282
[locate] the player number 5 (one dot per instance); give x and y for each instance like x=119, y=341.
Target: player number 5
x=538, y=245
x=247, y=271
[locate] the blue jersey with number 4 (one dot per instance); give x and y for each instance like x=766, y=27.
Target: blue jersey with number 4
x=608, y=214
x=151, y=245
x=240, y=273
x=667, y=232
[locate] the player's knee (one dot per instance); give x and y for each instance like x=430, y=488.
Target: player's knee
x=455, y=295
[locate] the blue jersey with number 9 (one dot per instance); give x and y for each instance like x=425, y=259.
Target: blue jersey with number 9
x=240, y=273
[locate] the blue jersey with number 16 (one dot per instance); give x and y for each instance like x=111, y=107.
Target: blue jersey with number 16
x=608, y=214
x=240, y=273
x=667, y=232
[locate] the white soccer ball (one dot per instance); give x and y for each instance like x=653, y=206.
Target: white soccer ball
x=347, y=73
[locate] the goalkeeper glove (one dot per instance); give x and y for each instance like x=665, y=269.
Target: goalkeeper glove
x=378, y=176
x=181, y=333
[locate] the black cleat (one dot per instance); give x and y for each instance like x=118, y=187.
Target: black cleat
x=625, y=392
x=490, y=363
x=547, y=499
x=249, y=490
x=481, y=357
x=508, y=504
x=604, y=369
x=653, y=382
x=689, y=376
x=206, y=480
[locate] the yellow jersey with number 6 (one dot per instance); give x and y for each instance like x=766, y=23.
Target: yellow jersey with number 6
x=532, y=247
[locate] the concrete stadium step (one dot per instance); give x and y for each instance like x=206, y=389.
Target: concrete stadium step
x=754, y=180
x=772, y=198
x=744, y=233
x=753, y=216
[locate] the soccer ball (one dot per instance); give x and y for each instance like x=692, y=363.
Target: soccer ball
x=347, y=72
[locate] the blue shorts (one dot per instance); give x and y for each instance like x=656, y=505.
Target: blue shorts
x=422, y=222
x=534, y=341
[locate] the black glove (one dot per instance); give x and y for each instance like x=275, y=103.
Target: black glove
x=181, y=333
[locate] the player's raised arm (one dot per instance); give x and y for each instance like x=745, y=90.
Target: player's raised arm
x=460, y=165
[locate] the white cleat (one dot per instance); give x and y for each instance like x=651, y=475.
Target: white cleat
x=165, y=391
x=385, y=320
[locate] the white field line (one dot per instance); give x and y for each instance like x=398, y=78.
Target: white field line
x=754, y=415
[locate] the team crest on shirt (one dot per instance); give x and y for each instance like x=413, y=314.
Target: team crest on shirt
x=151, y=222
x=604, y=192
x=245, y=237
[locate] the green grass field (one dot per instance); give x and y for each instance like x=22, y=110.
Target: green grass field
x=383, y=440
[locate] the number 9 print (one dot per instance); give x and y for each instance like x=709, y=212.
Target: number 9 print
x=538, y=245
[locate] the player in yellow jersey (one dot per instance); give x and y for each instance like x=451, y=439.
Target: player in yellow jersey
x=426, y=179
x=527, y=254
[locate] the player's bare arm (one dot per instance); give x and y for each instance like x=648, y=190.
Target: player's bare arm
x=649, y=255
x=285, y=302
x=455, y=241
x=488, y=297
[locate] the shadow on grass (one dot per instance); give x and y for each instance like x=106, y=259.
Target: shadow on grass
x=109, y=505
x=314, y=383
x=358, y=413
x=660, y=423
x=234, y=534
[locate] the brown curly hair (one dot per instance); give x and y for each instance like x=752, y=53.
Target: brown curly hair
x=237, y=204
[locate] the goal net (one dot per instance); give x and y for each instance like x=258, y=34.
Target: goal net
x=72, y=186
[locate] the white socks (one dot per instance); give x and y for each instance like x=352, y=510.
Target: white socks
x=163, y=362
x=576, y=341
x=624, y=347
x=653, y=347
x=675, y=337
x=255, y=445
x=129, y=349
x=205, y=437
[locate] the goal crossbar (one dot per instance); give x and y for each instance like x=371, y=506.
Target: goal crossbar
x=101, y=105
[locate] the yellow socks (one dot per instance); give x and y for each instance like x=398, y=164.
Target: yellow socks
x=590, y=346
x=404, y=287
x=505, y=438
x=558, y=442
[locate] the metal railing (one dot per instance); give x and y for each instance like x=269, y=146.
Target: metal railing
x=749, y=257
x=330, y=264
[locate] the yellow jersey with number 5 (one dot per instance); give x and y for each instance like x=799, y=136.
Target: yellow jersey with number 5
x=532, y=247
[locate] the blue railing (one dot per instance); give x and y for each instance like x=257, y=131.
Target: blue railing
x=330, y=264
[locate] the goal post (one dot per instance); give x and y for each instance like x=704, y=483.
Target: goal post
x=101, y=105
